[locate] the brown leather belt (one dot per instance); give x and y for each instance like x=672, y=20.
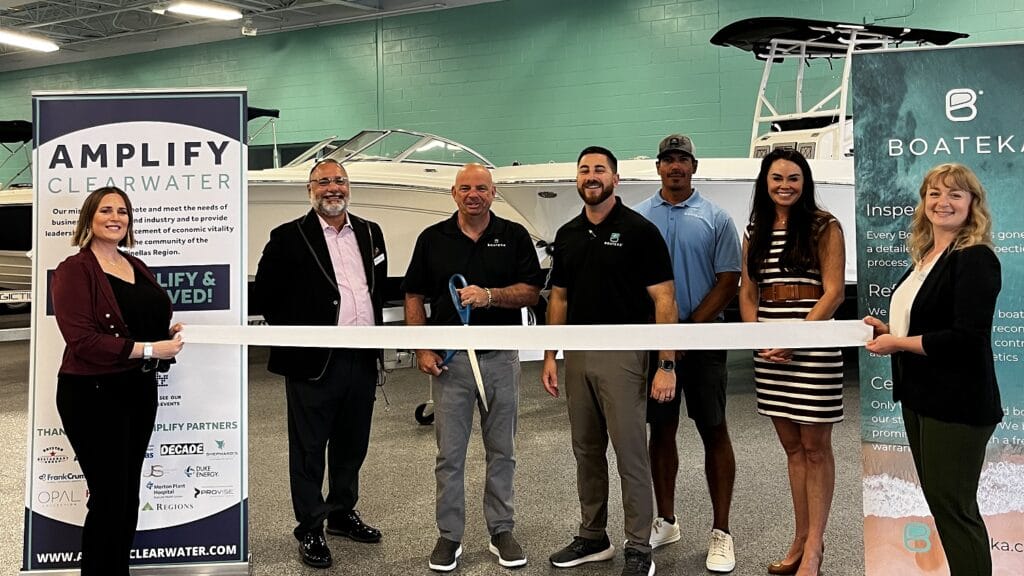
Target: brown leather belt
x=783, y=292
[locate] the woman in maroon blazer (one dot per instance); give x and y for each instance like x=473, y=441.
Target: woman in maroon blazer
x=114, y=318
x=940, y=338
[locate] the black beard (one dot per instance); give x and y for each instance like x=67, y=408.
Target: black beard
x=605, y=193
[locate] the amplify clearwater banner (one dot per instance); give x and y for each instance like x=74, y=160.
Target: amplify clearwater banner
x=915, y=109
x=181, y=158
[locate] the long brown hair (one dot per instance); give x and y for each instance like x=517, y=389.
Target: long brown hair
x=83, y=230
x=805, y=223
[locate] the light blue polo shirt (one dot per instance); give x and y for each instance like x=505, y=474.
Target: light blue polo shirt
x=702, y=241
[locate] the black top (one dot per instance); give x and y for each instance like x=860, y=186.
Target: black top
x=137, y=302
x=955, y=381
x=606, y=268
x=504, y=255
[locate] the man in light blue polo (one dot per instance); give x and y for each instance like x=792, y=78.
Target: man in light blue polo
x=705, y=251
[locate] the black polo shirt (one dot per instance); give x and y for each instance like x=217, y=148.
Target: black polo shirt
x=504, y=255
x=607, y=267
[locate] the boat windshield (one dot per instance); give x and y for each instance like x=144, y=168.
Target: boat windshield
x=405, y=146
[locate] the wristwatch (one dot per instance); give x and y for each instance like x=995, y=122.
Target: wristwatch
x=667, y=365
x=147, y=350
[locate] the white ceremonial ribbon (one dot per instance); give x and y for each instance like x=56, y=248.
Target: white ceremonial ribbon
x=713, y=336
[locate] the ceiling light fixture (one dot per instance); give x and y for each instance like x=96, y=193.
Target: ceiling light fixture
x=29, y=41
x=200, y=9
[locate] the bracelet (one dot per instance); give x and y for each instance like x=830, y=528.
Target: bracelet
x=147, y=350
x=490, y=297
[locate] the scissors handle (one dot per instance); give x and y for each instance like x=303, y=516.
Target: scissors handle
x=454, y=283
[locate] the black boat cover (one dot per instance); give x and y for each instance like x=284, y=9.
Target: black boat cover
x=15, y=131
x=755, y=34
x=253, y=113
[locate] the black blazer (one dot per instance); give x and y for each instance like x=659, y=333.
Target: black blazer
x=296, y=286
x=955, y=381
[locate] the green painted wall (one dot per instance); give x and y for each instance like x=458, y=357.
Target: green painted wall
x=526, y=80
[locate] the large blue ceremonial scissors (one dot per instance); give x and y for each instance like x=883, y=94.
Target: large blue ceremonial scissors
x=456, y=282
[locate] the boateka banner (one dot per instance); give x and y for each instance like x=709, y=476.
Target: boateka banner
x=915, y=109
x=181, y=158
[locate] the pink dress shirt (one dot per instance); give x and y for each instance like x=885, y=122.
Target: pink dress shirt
x=355, y=308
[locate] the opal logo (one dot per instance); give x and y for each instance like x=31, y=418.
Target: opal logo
x=960, y=104
x=917, y=537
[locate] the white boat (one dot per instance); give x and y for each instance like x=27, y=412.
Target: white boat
x=399, y=178
x=545, y=194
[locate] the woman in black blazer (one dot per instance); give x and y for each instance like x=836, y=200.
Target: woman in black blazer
x=939, y=335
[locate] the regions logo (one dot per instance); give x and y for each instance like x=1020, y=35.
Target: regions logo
x=181, y=449
x=170, y=507
x=52, y=455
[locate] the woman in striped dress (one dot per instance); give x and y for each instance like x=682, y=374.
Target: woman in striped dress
x=793, y=264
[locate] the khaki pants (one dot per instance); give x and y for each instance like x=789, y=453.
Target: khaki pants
x=606, y=393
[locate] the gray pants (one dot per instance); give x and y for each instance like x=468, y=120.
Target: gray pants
x=455, y=397
x=606, y=393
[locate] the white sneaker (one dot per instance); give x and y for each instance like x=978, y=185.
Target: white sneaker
x=721, y=553
x=664, y=533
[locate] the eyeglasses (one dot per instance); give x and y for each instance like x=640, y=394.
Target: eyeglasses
x=339, y=180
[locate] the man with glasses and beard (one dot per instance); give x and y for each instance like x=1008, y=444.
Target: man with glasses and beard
x=327, y=268
x=610, y=266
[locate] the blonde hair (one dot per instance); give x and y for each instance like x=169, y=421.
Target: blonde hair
x=977, y=229
x=83, y=229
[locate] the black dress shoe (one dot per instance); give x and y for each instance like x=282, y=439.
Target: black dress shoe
x=315, y=552
x=349, y=525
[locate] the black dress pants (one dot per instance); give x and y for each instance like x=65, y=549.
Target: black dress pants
x=108, y=421
x=332, y=413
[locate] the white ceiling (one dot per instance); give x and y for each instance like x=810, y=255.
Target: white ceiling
x=88, y=29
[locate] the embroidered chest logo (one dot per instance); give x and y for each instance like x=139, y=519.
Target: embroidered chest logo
x=495, y=243
x=613, y=240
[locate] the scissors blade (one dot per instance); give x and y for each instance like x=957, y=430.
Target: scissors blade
x=475, y=365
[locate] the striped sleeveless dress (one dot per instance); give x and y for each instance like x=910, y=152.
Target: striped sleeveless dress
x=809, y=388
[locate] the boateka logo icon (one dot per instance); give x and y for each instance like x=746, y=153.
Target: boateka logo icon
x=960, y=104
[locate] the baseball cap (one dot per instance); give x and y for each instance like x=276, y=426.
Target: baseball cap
x=676, y=143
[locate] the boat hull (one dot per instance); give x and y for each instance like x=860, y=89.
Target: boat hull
x=546, y=196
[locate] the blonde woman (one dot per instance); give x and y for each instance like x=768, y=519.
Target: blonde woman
x=939, y=337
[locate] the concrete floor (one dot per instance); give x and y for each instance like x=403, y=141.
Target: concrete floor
x=398, y=484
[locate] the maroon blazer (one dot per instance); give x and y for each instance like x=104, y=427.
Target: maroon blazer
x=95, y=336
